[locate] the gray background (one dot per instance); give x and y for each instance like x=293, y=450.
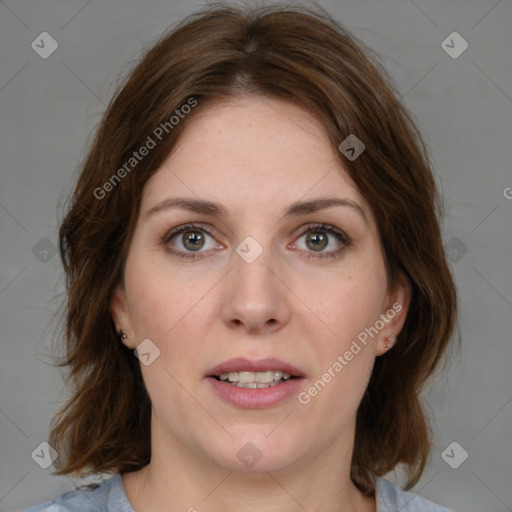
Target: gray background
x=463, y=105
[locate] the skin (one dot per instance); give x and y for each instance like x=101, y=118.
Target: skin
x=255, y=156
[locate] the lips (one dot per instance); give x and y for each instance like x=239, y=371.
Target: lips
x=230, y=381
x=241, y=364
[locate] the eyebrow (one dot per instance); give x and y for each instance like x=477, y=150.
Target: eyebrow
x=212, y=208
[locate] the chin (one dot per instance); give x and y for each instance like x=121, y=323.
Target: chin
x=259, y=453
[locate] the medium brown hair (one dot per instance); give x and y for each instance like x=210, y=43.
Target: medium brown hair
x=295, y=54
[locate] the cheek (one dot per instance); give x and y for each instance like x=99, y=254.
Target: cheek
x=166, y=306
x=348, y=303
x=343, y=304
x=153, y=301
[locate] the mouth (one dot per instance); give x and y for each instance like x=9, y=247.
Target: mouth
x=255, y=384
x=254, y=380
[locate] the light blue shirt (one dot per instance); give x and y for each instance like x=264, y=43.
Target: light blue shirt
x=110, y=497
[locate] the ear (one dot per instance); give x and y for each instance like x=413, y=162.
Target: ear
x=394, y=314
x=121, y=315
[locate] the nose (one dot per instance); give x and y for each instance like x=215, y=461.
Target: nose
x=256, y=298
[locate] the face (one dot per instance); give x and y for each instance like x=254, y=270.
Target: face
x=283, y=274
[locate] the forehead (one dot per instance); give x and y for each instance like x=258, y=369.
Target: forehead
x=249, y=151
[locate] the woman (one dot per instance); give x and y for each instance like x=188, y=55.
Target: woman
x=256, y=221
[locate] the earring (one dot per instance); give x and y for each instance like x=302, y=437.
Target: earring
x=122, y=335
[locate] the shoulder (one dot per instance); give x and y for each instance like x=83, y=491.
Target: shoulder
x=109, y=496
x=390, y=498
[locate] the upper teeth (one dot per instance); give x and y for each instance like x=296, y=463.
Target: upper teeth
x=257, y=377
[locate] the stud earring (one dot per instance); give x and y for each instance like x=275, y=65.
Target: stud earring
x=122, y=335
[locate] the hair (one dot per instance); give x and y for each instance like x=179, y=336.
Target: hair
x=302, y=56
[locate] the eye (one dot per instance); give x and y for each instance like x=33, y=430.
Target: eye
x=189, y=239
x=318, y=237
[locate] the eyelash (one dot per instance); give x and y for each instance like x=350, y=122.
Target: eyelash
x=327, y=228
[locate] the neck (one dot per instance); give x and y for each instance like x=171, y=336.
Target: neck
x=180, y=480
